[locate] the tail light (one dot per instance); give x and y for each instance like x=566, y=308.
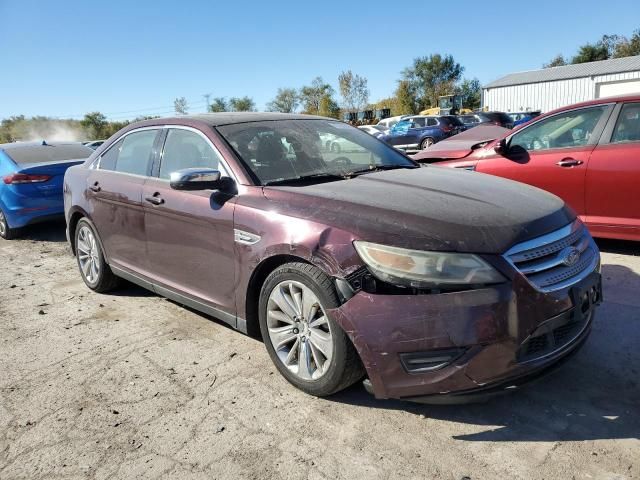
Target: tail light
x=17, y=178
x=447, y=128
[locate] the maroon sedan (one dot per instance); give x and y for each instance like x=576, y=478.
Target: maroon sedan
x=588, y=154
x=436, y=284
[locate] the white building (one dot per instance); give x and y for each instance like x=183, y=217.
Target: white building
x=557, y=87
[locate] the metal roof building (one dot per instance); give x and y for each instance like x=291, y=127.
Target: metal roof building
x=556, y=87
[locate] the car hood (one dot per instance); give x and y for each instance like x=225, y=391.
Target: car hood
x=461, y=145
x=429, y=208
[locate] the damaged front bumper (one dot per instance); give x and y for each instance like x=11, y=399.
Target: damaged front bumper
x=466, y=346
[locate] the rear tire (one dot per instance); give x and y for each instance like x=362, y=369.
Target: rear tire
x=95, y=271
x=312, y=352
x=426, y=143
x=6, y=231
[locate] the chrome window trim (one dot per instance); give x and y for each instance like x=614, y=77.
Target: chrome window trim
x=96, y=162
x=229, y=171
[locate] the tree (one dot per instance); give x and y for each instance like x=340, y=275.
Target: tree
x=591, y=52
x=471, y=92
x=431, y=77
x=312, y=95
x=180, y=106
x=557, y=61
x=328, y=107
x=242, y=104
x=406, y=100
x=628, y=47
x=96, y=124
x=219, y=104
x=286, y=101
x=354, y=91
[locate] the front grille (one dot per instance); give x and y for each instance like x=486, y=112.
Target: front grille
x=551, y=341
x=556, y=260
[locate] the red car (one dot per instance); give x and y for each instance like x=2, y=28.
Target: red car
x=588, y=154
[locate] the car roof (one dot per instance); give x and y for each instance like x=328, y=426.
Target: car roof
x=229, y=118
x=17, y=145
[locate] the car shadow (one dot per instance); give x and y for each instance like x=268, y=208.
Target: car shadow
x=618, y=246
x=596, y=395
x=52, y=231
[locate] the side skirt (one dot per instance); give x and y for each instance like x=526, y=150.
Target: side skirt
x=234, y=321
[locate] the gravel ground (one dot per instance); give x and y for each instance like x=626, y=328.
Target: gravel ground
x=130, y=385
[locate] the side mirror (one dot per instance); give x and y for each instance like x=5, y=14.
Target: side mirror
x=502, y=147
x=198, y=179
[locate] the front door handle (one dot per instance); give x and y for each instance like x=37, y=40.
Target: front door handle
x=156, y=199
x=569, y=162
x=95, y=187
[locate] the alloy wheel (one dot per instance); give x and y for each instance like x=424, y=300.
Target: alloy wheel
x=3, y=224
x=88, y=254
x=299, y=330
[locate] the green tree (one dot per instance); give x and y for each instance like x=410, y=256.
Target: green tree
x=328, y=107
x=354, y=91
x=603, y=49
x=406, y=99
x=219, y=104
x=286, y=101
x=628, y=47
x=557, y=61
x=312, y=95
x=180, y=106
x=471, y=92
x=95, y=123
x=242, y=104
x=432, y=76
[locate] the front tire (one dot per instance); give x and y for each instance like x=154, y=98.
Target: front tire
x=306, y=345
x=6, y=231
x=95, y=271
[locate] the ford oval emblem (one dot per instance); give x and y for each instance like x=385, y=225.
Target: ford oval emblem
x=570, y=256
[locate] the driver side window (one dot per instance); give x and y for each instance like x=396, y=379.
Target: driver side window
x=187, y=149
x=569, y=129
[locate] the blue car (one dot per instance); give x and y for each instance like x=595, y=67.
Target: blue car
x=31, y=176
x=414, y=133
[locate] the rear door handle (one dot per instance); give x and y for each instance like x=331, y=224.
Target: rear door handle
x=156, y=199
x=569, y=162
x=95, y=187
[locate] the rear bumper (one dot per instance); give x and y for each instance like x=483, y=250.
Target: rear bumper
x=21, y=210
x=498, y=330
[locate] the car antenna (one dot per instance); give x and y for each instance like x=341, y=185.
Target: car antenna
x=44, y=143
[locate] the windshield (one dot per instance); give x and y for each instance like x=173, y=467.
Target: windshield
x=282, y=150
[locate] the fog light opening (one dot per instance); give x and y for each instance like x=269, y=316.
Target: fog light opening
x=419, y=362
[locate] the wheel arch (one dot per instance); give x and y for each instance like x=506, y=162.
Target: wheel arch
x=254, y=287
x=75, y=215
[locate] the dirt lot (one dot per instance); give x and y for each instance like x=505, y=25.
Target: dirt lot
x=131, y=385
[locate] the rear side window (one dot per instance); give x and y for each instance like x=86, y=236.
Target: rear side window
x=187, y=149
x=628, y=126
x=130, y=154
x=418, y=121
x=432, y=122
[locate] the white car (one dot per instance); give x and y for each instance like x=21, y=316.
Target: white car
x=375, y=130
x=391, y=121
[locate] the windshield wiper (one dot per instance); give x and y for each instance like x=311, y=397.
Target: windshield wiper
x=306, y=178
x=379, y=168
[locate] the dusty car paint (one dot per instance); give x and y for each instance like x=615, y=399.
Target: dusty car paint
x=427, y=209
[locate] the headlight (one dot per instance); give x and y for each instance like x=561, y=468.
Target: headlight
x=422, y=269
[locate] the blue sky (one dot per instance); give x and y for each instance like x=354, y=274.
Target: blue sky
x=124, y=58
